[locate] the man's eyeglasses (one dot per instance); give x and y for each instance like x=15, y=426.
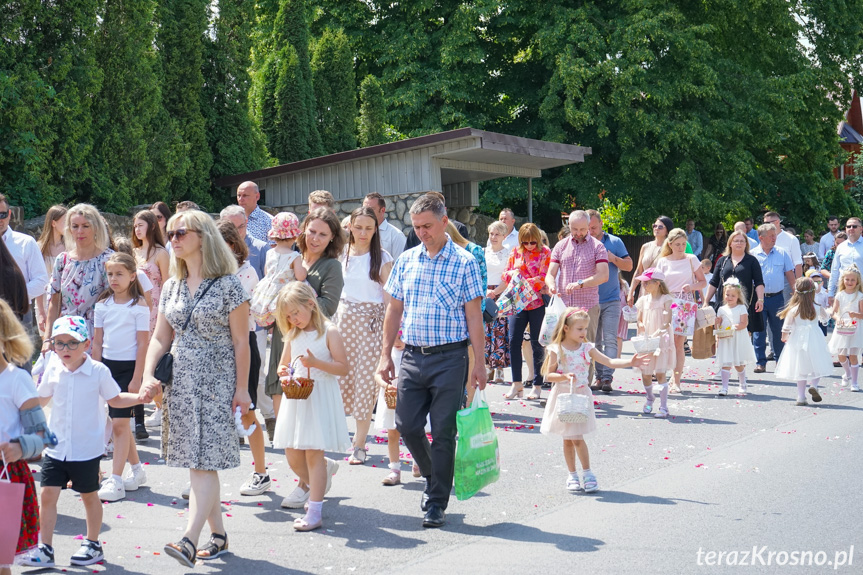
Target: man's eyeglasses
x=4, y=215
x=71, y=345
x=181, y=233
x=851, y=227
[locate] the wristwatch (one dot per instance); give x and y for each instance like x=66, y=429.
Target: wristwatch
x=580, y=283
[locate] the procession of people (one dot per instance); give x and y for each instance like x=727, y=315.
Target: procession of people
x=186, y=321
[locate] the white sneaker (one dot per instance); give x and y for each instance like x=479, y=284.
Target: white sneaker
x=257, y=484
x=154, y=420
x=88, y=554
x=112, y=490
x=296, y=498
x=42, y=557
x=855, y=387
x=135, y=479
x=187, y=491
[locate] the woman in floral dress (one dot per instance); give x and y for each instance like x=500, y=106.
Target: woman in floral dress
x=79, y=275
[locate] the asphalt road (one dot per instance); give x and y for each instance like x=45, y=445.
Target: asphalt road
x=721, y=475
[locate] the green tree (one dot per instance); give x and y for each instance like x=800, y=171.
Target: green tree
x=373, y=113
x=180, y=44
x=128, y=114
x=235, y=141
x=335, y=92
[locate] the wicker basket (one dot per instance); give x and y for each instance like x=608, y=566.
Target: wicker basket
x=630, y=314
x=723, y=333
x=846, y=326
x=390, y=394
x=644, y=344
x=298, y=387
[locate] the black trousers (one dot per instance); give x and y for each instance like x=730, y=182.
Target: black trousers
x=432, y=385
x=517, y=325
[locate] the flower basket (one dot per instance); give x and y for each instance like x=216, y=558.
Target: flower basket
x=573, y=407
x=390, y=394
x=298, y=387
x=846, y=326
x=644, y=344
x=630, y=314
x=724, y=333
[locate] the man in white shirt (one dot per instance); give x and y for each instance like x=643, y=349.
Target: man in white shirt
x=847, y=253
x=828, y=239
x=790, y=244
x=392, y=239
x=507, y=216
x=27, y=255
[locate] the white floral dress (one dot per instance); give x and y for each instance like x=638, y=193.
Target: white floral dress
x=576, y=362
x=202, y=434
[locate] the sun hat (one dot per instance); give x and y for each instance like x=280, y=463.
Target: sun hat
x=651, y=274
x=285, y=226
x=72, y=325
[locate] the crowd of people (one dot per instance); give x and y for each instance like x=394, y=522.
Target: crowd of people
x=183, y=315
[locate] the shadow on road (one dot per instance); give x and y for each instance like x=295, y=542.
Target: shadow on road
x=625, y=497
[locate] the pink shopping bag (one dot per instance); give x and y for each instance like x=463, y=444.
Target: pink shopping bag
x=11, y=502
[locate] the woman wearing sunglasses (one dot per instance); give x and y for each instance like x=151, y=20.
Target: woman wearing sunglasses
x=650, y=253
x=530, y=260
x=79, y=275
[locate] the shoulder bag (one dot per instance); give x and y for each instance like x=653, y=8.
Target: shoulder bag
x=164, y=371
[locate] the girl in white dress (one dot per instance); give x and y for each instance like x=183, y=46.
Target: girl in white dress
x=567, y=360
x=305, y=428
x=805, y=357
x=847, y=310
x=737, y=350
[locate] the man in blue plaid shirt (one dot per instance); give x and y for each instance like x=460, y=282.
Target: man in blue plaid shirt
x=438, y=289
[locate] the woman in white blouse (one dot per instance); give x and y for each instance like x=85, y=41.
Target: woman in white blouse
x=365, y=268
x=496, y=332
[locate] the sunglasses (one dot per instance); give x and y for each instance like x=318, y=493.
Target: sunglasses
x=532, y=243
x=851, y=227
x=72, y=345
x=181, y=233
x=4, y=215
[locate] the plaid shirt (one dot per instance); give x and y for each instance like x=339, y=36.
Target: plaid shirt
x=435, y=291
x=578, y=261
x=259, y=224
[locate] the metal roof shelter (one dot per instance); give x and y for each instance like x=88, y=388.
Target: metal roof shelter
x=451, y=162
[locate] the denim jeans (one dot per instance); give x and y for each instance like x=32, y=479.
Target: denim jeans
x=517, y=325
x=606, y=335
x=772, y=305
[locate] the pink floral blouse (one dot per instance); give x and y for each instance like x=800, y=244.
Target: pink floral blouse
x=532, y=266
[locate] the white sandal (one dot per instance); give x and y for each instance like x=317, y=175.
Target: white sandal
x=393, y=478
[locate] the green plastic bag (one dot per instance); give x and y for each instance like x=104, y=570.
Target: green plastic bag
x=477, y=458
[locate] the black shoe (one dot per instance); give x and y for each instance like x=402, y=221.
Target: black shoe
x=770, y=357
x=686, y=349
x=424, y=500
x=435, y=517
x=141, y=432
x=606, y=386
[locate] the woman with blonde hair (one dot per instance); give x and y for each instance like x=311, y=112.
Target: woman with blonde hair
x=684, y=277
x=204, y=321
x=530, y=260
x=79, y=276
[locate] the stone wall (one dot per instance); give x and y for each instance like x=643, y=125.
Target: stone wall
x=120, y=225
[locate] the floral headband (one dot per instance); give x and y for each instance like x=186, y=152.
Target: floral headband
x=732, y=282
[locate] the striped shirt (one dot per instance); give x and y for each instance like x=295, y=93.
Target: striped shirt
x=434, y=291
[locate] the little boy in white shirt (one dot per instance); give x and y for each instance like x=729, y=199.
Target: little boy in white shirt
x=80, y=387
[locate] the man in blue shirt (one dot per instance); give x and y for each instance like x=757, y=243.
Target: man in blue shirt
x=848, y=252
x=776, y=269
x=436, y=291
x=695, y=239
x=609, y=299
x=751, y=232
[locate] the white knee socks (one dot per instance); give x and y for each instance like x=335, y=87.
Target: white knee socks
x=854, y=372
x=846, y=365
x=650, y=397
x=801, y=391
x=663, y=395
x=741, y=378
x=726, y=375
